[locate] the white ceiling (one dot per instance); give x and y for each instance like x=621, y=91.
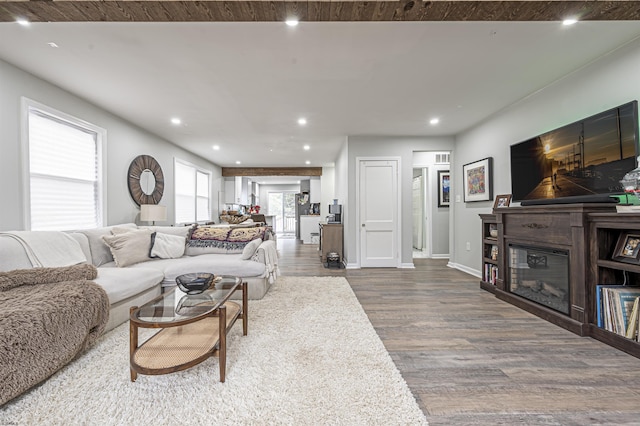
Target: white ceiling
x=242, y=86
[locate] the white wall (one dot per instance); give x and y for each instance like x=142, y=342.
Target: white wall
x=327, y=188
x=124, y=143
x=373, y=146
x=608, y=82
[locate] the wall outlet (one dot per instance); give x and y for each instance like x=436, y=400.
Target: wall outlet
x=468, y=246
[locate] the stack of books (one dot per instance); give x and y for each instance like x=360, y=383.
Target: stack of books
x=618, y=309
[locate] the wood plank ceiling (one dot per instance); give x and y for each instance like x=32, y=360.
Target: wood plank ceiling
x=352, y=11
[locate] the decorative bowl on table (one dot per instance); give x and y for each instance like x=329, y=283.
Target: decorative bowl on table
x=194, y=283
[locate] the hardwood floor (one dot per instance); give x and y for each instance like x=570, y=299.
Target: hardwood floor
x=471, y=359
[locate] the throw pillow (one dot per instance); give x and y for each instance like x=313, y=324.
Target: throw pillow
x=165, y=246
x=130, y=247
x=246, y=234
x=250, y=249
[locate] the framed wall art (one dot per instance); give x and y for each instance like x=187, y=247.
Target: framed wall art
x=477, y=180
x=444, y=188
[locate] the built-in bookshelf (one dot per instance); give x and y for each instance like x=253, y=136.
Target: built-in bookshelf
x=614, y=280
x=490, y=253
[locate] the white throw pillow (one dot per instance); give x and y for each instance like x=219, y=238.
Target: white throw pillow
x=130, y=247
x=167, y=246
x=250, y=249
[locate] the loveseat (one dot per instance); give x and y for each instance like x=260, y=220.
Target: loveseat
x=133, y=278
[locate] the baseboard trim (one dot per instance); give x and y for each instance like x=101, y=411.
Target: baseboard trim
x=407, y=266
x=440, y=256
x=352, y=266
x=465, y=269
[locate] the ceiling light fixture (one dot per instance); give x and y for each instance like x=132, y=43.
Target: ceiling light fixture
x=216, y=147
x=176, y=121
x=307, y=162
x=238, y=162
x=306, y=147
x=434, y=121
x=302, y=121
x=292, y=22
x=24, y=22
x=569, y=21
x=52, y=44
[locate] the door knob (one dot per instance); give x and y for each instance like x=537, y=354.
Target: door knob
x=363, y=225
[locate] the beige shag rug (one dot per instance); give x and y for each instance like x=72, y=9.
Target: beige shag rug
x=311, y=358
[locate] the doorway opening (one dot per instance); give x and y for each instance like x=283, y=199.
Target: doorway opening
x=282, y=205
x=431, y=194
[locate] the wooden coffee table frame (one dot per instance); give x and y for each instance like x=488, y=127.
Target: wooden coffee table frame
x=184, y=335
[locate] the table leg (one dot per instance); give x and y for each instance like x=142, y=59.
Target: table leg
x=245, y=308
x=222, y=350
x=133, y=343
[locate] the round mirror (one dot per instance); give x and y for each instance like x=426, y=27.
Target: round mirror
x=147, y=182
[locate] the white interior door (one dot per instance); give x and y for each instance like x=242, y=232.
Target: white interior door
x=378, y=211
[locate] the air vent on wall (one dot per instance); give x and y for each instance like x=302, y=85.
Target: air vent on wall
x=442, y=158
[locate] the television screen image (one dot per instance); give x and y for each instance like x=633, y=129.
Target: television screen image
x=584, y=158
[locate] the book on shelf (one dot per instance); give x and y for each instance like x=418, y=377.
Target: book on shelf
x=614, y=306
x=490, y=273
x=632, y=328
x=628, y=208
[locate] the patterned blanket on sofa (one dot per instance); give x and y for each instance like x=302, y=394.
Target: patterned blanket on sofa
x=226, y=239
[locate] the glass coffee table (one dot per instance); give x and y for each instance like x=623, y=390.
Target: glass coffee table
x=194, y=327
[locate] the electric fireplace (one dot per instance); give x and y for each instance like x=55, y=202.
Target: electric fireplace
x=540, y=275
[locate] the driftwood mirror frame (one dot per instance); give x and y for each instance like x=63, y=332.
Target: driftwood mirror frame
x=138, y=166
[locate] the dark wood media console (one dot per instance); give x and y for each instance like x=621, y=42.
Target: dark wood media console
x=588, y=233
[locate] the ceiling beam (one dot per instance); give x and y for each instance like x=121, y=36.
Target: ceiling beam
x=314, y=11
x=271, y=171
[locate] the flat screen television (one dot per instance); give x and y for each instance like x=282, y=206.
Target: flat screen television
x=584, y=158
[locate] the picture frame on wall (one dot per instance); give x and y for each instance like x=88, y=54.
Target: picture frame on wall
x=444, y=188
x=502, y=201
x=477, y=178
x=628, y=248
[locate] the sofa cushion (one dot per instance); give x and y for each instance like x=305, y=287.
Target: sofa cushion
x=166, y=246
x=100, y=253
x=250, y=249
x=129, y=248
x=182, y=231
x=122, y=283
x=218, y=264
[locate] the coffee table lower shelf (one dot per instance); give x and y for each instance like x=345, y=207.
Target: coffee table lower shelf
x=178, y=348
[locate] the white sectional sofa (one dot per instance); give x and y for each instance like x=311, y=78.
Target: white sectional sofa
x=136, y=284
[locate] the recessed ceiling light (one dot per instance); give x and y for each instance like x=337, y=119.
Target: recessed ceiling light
x=52, y=44
x=307, y=162
x=569, y=21
x=302, y=121
x=24, y=22
x=292, y=22
x=434, y=121
x=306, y=147
x=176, y=121
x=216, y=147
x=238, y=162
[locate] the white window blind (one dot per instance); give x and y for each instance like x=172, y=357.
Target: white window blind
x=64, y=173
x=192, y=195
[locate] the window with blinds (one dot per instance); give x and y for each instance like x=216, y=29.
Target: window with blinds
x=65, y=171
x=192, y=195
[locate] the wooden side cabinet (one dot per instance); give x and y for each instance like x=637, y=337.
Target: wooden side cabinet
x=331, y=240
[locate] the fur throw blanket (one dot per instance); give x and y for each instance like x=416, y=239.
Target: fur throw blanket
x=48, y=316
